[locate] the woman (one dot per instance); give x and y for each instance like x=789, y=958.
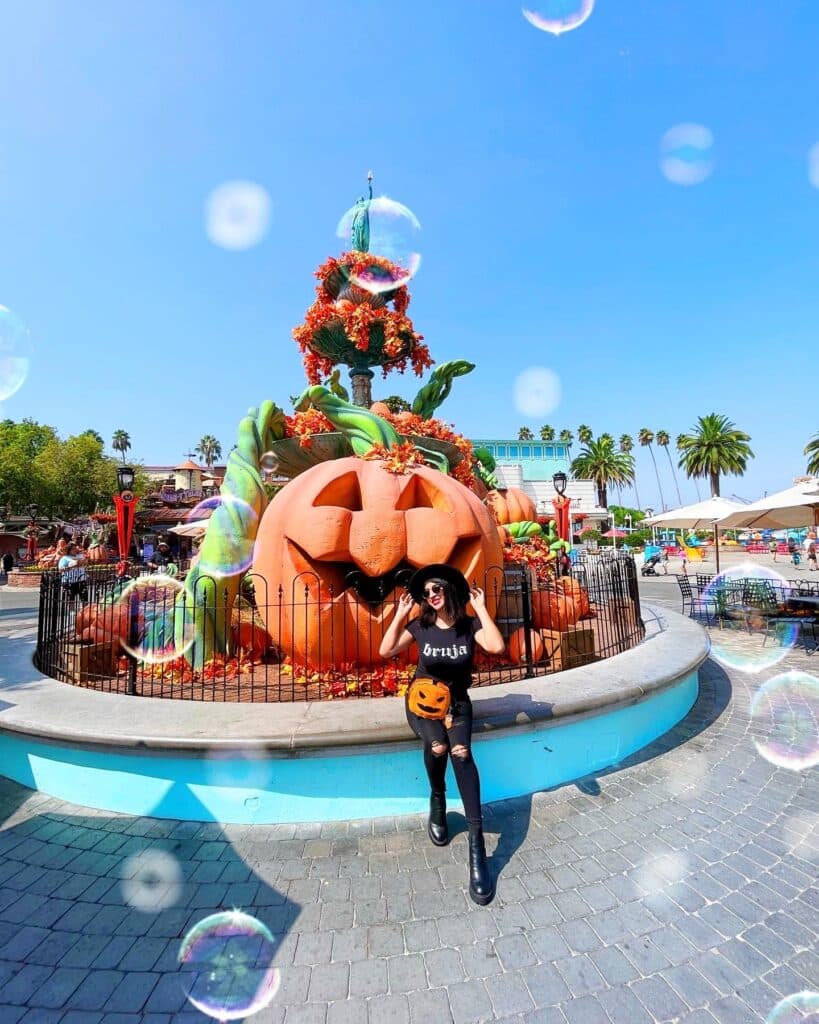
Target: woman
x=72, y=570
x=446, y=638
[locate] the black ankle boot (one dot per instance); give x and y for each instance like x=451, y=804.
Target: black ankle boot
x=437, y=830
x=481, y=886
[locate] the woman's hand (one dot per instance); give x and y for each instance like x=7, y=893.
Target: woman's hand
x=476, y=596
x=406, y=603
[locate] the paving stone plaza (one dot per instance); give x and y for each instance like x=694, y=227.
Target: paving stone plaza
x=678, y=886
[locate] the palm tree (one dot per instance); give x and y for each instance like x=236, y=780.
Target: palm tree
x=626, y=444
x=679, y=449
x=121, y=442
x=210, y=449
x=567, y=438
x=607, y=438
x=547, y=433
x=598, y=461
x=584, y=433
x=645, y=437
x=715, y=446
x=663, y=440
x=525, y=434
x=812, y=451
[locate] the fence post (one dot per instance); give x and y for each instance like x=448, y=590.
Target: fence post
x=527, y=621
x=133, y=640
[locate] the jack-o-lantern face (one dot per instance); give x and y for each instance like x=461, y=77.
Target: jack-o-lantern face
x=336, y=539
x=428, y=699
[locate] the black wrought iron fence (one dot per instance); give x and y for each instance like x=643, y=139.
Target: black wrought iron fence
x=312, y=641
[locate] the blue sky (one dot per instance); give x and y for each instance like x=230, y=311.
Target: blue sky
x=549, y=234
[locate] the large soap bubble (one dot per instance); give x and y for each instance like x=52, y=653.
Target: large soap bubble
x=238, y=522
x=537, y=391
x=148, y=605
x=394, y=233
x=747, y=601
x=15, y=353
x=237, y=215
x=686, y=154
x=558, y=16
x=785, y=720
x=227, y=960
x=801, y=1008
x=813, y=165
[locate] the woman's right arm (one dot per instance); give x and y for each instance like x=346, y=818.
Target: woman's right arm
x=397, y=638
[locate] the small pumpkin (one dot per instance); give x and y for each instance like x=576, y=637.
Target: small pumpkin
x=98, y=555
x=103, y=623
x=511, y=506
x=247, y=630
x=574, y=589
x=428, y=698
x=381, y=409
x=516, y=645
x=552, y=609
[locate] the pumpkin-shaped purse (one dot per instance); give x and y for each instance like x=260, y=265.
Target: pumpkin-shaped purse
x=427, y=698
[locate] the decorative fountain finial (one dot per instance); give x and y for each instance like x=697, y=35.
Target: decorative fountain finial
x=360, y=240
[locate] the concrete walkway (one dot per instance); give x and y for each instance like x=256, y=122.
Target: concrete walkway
x=678, y=887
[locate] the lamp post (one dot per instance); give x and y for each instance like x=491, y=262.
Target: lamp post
x=628, y=517
x=613, y=532
x=561, y=506
x=32, y=533
x=124, y=504
x=649, y=514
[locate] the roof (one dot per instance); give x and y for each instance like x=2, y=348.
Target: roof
x=188, y=464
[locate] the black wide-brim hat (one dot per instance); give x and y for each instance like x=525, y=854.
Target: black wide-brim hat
x=438, y=571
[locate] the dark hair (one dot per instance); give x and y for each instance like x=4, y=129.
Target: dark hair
x=71, y=544
x=454, y=607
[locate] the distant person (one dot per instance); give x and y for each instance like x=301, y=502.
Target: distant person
x=811, y=553
x=8, y=562
x=73, y=573
x=772, y=547
x=161, y=558
x=664, y=561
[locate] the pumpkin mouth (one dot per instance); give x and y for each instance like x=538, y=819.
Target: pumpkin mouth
x=346, y=576
x=428, y=709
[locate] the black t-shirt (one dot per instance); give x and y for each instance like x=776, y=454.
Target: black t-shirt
x=161, y=558
x=446, y=654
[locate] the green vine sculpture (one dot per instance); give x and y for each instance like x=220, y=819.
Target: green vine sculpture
x=437, y=388
x=362, y=427
x=203, y=609
x=485, y=468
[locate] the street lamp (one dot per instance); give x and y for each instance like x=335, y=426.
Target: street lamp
x=627, y=516
x=124, y=504
x=32, y=534
x=559, y=481
x=32, y=511
x=561, y=506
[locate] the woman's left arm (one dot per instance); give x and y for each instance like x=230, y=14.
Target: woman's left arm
x=488, y=636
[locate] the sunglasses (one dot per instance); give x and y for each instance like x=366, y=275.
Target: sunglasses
x=433, y=589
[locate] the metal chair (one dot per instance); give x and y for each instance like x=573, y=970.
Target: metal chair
x=693, y=603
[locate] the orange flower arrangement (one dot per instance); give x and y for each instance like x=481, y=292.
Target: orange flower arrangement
x=399, y=459
x=355, y=316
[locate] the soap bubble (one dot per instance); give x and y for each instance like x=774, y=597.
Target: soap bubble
x=236, y=524
x=15, y=353
x=656, y=874
x=537, y=391
x=239, y=768
x=237, y=215
x=394, y=231
x=227, y=959
x=557, y=16
x=813, y=165
x=744, y=600
x=144, y=616
x=269, y=464
x=152, y=882
x=785, y=720
x=801, y=1008
x=685, y=154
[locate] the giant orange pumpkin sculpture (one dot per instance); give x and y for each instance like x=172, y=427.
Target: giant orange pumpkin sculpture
x=334, y=540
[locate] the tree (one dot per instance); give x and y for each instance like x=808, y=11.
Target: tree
x=547, y=433
x=598, y=461
x=584, y=433
x=645, y=437
x=714, y=447
x=95, y=434
x=812, y=451
x=626, y=445
x=395, y=403
x=121, y=442
x=663, y=440
x=210, y=449
x=607, y=438
x=679, y=449
x=525, y=434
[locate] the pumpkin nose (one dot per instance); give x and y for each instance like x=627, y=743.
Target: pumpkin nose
x=378, y=543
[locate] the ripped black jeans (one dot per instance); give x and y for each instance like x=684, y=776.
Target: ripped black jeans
x=457, y=742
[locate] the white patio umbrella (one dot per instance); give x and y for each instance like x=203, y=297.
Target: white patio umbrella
x=703, y=515
x=796, y=506
x=195, y=529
